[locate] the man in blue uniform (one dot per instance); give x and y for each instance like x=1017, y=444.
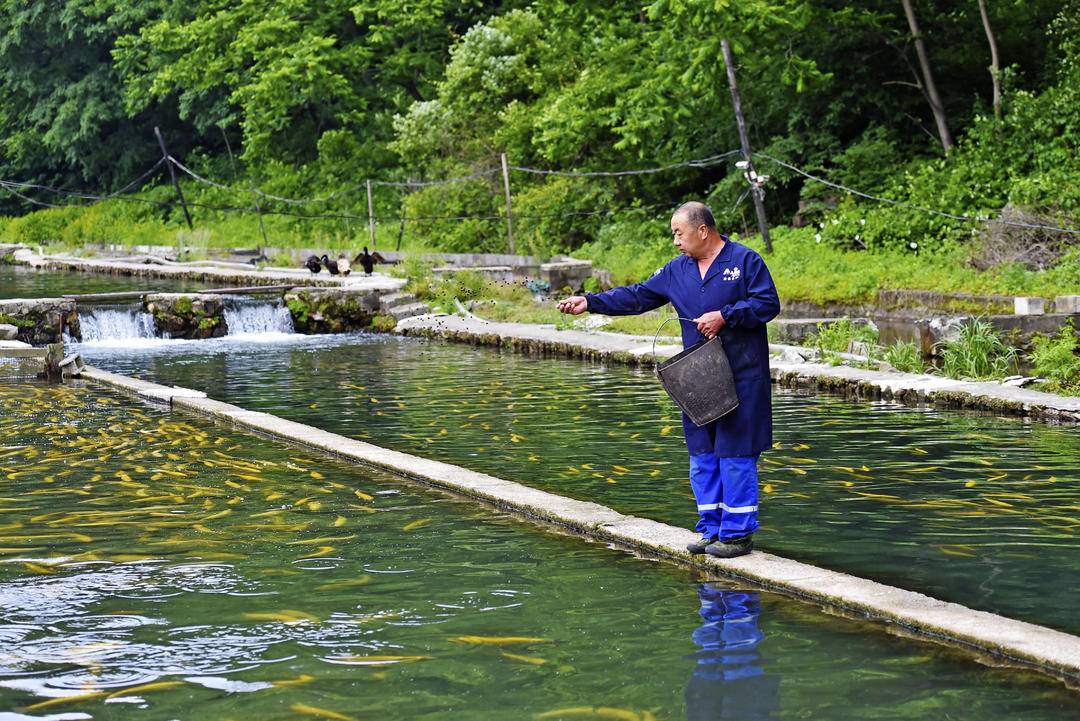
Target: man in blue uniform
x=726, y=289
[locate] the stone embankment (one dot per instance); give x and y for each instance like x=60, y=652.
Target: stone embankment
x=187, y=315
x=988, y=635
x=39, y=321
x=912, y=389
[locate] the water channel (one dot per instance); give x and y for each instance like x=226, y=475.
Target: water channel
x=153, y=565
x=17, y=281
x=969, y=508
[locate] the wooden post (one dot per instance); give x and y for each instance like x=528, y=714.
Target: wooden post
x=172, y=174
x=509, y=212
x=744, y=141
x=370, y=215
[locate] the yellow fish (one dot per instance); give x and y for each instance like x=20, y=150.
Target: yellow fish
x=321, y=712
x=412, y=526
x=533, y=660
x=376, y=660
x=499, y=640
x=286, y=616
x=155, y=686
x=64, y=699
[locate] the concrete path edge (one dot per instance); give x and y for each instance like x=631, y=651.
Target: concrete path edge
x=991, y=638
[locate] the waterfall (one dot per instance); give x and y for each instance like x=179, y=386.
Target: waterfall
x=244, y=316
x=115, y=323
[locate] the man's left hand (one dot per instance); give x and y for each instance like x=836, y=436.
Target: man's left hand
x=709, y=324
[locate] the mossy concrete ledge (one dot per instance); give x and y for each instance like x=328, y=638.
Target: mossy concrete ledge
x=990, y=637
x=914, y=389
x=854, y=383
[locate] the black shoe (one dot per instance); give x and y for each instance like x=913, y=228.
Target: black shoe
x=732, y=547
x=701, y=545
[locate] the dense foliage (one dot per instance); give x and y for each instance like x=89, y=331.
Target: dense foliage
x=308, y=99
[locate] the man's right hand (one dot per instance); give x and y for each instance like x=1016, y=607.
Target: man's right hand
x=574, y=305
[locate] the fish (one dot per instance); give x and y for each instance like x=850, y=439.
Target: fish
x=363, y=496
x=499, y=640
x=301, y=679
x=64, y=699
x=321, y=712
x=348, y=583
x=286, y=616
x=376, y=660
x=154, y=686
x=532, y=660
x=316, y=541
x=413, y=525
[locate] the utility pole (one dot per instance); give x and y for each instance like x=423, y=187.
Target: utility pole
x=370, y=215
x=172, y=174
x=509, y=212
x=756, y=190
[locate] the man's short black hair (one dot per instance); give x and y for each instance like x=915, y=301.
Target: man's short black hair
x=697, y=213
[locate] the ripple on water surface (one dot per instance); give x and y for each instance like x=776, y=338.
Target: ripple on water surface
x=969, y=508
x=155, y=566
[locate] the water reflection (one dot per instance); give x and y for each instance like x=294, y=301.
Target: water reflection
x=729, y=680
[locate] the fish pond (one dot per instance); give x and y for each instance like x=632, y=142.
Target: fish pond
x=154, y=565
x=969, y=508
x=18, y=281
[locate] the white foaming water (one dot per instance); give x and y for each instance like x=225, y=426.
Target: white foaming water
x=110, y=325
x=258, y=319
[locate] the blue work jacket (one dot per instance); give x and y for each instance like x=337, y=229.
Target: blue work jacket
x=739, y=286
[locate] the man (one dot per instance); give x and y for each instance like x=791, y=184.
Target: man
x=726, y=289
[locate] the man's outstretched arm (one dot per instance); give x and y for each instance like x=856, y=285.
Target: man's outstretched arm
x=625, y=300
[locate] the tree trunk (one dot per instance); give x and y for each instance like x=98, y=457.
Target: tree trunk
x=928, y=79
x=995, y=67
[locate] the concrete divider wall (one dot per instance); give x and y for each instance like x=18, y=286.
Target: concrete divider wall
x=989, y=637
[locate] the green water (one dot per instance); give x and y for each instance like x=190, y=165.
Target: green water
x=156, y=566
x=969, y=508
x=21, y=282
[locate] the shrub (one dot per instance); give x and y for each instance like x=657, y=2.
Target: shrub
x=905, y=357
x=978, y=353
x=383, y=323
x=1055, y=358
x=837, y=336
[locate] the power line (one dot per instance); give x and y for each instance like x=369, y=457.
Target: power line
x=910, y=206
x=84, y=195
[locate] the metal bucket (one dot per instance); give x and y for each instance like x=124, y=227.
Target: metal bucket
x=699, y=380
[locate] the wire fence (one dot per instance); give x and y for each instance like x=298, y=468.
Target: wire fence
x=21, y=190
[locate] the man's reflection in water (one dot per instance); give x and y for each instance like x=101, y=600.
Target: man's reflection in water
x=728, y=681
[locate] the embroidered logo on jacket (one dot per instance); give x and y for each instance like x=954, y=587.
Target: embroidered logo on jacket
x=731, y=273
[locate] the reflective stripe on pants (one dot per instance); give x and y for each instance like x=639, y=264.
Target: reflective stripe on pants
x=726, y=490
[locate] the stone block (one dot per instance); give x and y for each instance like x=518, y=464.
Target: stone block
x=1028, y=305
x=8, y=332
x=566, y=274
x=1069, y=304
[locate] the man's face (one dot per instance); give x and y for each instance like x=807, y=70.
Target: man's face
x=690, y=240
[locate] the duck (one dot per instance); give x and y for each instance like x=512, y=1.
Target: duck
x=343, y=264
x=331, y=265
x=313, y=264
x=368, y=260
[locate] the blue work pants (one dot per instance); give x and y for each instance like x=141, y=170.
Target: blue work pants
x=726, y=490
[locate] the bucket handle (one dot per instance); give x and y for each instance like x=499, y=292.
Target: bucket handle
x=676, y=317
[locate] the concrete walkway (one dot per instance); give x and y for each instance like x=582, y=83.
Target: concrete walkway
x=905, y=612
x=904, y=387
x=209, y=272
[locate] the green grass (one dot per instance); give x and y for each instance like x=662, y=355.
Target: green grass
x=905, y=357
x=1055, y=358
x=979, y=353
